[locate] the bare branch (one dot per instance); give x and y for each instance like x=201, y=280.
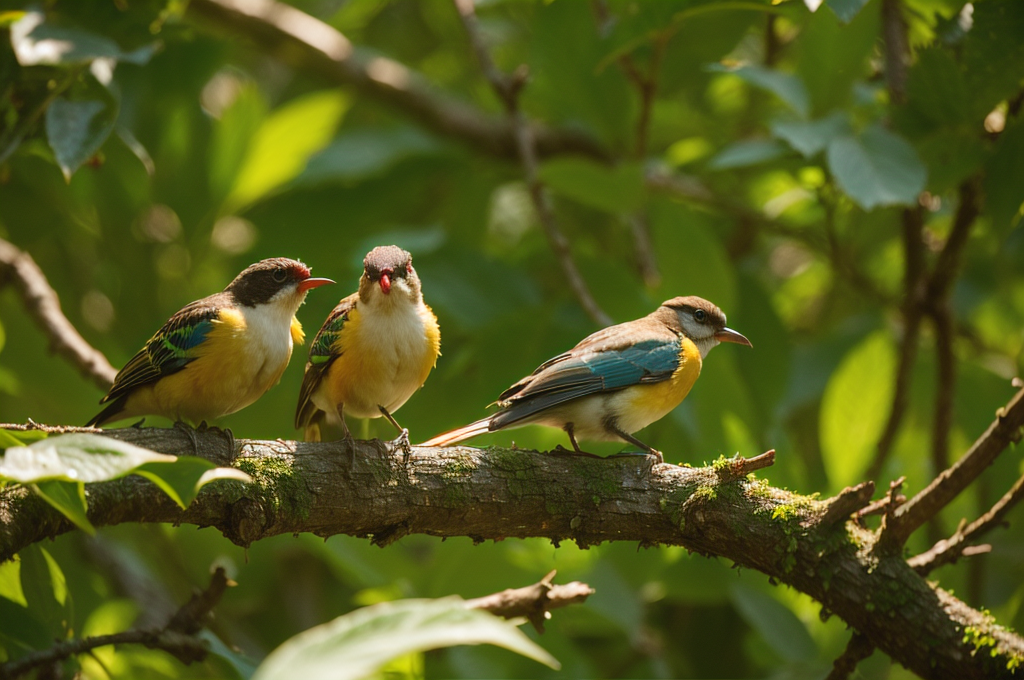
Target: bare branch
x=897, y=50
x=175, y=638
x=507, y=88
x=312, y=45
x=364, y=489
x=850, y=500
x=738, y=467
x=534, y=602
x=1006, y=429
x=857, y=649
x=20, y=270
x=948, y=550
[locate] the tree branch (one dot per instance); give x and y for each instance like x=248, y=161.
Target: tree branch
x=17, y=268
x=177, y=637
x=534, y=602
x=363, y=489
x=1003, y=431
x=507, y=88
x=310, y=44
x=857, y=649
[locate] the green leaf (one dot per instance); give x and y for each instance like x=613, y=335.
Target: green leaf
x=36, y=42
x=69, y=499
x=776, y=624
x=832, y=57
x=1004, y=179
x=846, y=10
x=854, y=408
x=614, y=190
x=786, y=86
x=747, y=152
x=357, y=644
x=76, y=457
x=993, y=53
x=283, y=144
x=877, y=168
x=77, y=125
x=813, y=136
x=231, y=137
x=10, y=581
x=366, y=153
x=936, y=89
x=182, y=479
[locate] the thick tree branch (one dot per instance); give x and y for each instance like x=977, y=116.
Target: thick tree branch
x=364, y=490
x=177, y=637
x=507, y=87
x=310, y=44
x=17, y=268
x=534, y=602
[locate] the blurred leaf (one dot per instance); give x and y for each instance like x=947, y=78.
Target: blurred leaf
x=365, y=153
x=181, y=479
x=846, y=10
x=615, y=190
x=69, y=499
x=936, y=88
x=747, y=152
x=779, y=627
x=283, y=144
x=1004, y=186
x=813, y=136
x=357, y=644
x=993, y=56
x=854, y=408
x=877, y=168
x=951, y=156
x=78, y=124
x=232, y=136
x=786, y=86
x=45, y=588
x=832, y=56
x=21, y=629
x=76, y=457
x=10, y=581
x=37, y=42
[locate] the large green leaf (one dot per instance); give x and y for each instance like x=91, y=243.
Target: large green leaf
x=231, y=137
x=76, y=457
x=1004, y=179
x=854, y=408
x=779, y=627
x=614, y=190
x=285, y=141
x=936, y=89
x=993, y=55
x=877, y=168
x=814, y=136
x=184, y=477
x=68, y=498
x=77, y=124
x=832, y=56
x=357, y=644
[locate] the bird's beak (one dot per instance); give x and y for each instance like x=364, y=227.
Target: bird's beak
x=311, y=283
x=385, y=283
x=729, y=335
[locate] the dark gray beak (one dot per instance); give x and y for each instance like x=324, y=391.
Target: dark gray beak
x=729, y=335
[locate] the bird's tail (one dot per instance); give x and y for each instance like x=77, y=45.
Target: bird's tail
x=461, y=433
x=109, y=413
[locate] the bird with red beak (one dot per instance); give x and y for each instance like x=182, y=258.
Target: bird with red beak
x=374, y=351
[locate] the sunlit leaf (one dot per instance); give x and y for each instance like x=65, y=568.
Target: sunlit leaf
x=877, y=168
x=69, y=499
x=232, y=136
x=76, y=457
x=614, y=190
x=357, y=644
x=779, y=627
x=854, y=409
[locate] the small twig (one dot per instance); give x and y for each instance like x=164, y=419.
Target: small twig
x=950, y=549
x=857, y=649
x=739, y=467
x=20, y=270
x=176, y=638
x=534, y=602
x=947, y=485
x=897, y=50
x=507, y=88
x=879, y=507
x=852, y=499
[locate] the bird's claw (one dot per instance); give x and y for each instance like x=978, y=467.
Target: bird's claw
x=190, y=432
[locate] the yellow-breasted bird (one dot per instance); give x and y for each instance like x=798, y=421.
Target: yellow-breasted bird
x=375, y=349
x=218, y=354
x=616, y=381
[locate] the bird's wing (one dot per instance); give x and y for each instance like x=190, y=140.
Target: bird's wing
x=322, y=353
x=606, y=361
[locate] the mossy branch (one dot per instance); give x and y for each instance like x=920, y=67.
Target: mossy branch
x=364, y=490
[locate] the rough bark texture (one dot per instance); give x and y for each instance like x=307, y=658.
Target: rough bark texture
x=330, y=488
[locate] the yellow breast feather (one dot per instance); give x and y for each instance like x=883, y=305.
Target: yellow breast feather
x=298, y=335
x=660, y=398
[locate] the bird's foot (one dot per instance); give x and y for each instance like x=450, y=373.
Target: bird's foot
x=190, y=432
x=562, y=451
x=402, y=442
x=658, y=458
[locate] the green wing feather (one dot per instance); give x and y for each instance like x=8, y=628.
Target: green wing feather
x=322, y=353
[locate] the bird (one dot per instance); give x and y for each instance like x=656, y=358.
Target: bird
x=614, y=382
x=216, y=355
x=375, y=349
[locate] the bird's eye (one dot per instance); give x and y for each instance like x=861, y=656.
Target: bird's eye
x=700, y=315
x=280, y=275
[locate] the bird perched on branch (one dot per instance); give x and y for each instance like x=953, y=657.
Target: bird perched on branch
x=616, y=381
x=218, y=354
x=375, y=349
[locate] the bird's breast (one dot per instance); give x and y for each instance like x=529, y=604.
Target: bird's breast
x=640, y=405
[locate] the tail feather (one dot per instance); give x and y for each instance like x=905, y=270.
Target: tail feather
x=461, y=433
x=111, y=412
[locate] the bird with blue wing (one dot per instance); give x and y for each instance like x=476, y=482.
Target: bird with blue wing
x=219, y=354
x=615, y=382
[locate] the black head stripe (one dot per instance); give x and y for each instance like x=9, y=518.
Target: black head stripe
x=259, y=282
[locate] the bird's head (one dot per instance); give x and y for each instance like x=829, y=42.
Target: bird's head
x=277, y=281
x=388, y=277
x=700, y=321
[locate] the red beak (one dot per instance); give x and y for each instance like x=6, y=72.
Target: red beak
x=385, y=283
x=311, y=283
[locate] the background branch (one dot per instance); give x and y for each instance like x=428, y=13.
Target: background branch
x=17, y=268
x=364, y=490
x=534, y=602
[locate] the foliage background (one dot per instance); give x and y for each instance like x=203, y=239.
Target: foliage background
x=809, y=164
